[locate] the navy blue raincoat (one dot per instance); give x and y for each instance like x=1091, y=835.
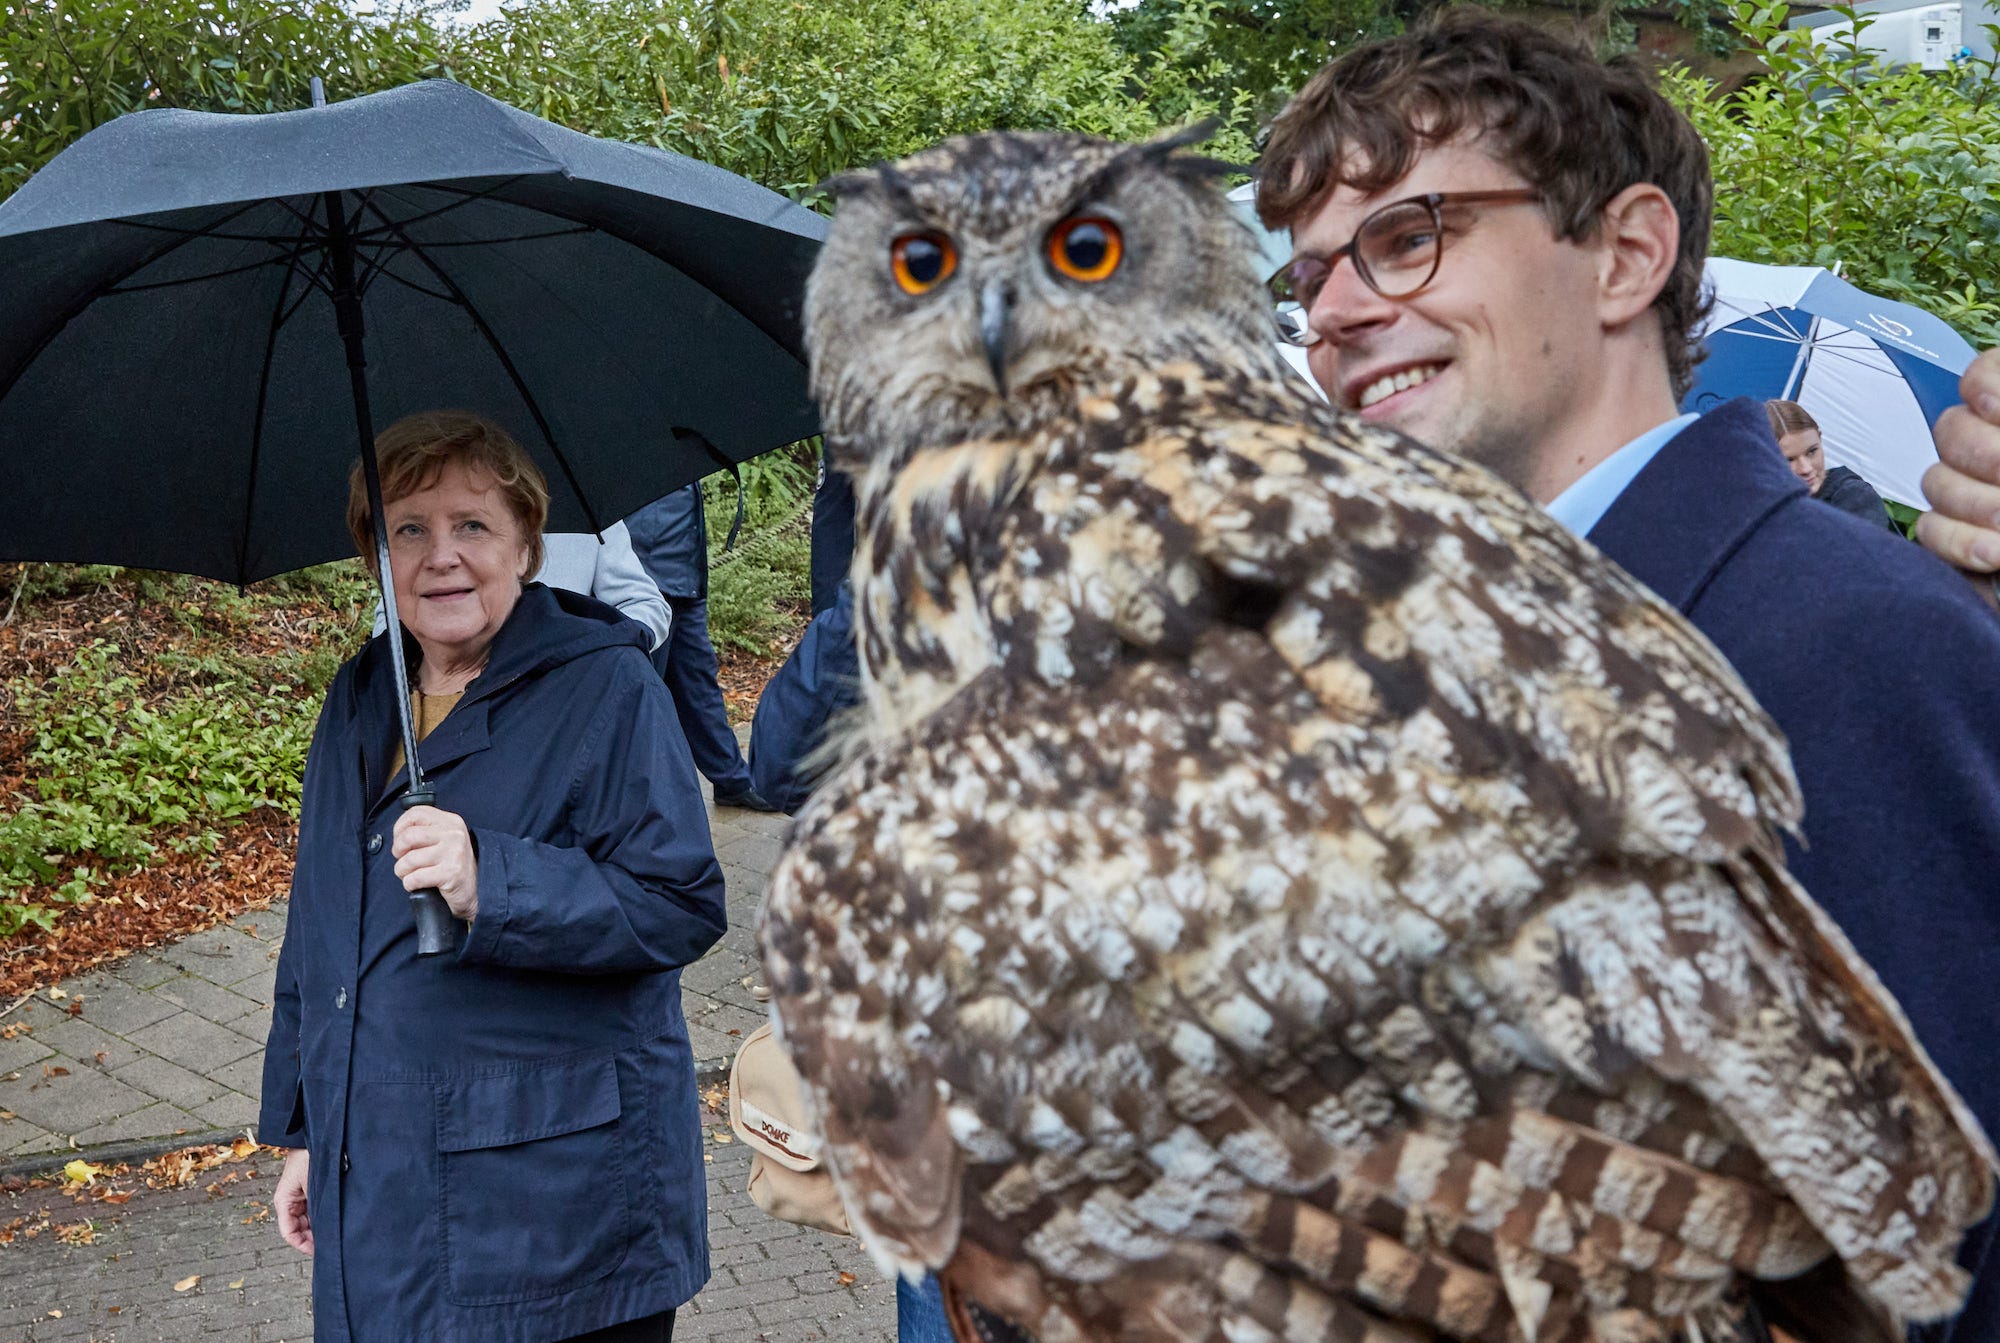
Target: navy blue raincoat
x=505, y=1143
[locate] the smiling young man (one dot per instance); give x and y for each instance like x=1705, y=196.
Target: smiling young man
x=1498, y=241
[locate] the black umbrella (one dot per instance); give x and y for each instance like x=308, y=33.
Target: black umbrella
x=202, y=316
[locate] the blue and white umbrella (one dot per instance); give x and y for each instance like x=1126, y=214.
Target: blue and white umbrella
x=1876, y=374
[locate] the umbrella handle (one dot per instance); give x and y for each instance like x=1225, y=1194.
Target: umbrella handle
x=438, y=929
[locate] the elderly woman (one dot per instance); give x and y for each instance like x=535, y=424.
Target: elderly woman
x=498, y=1145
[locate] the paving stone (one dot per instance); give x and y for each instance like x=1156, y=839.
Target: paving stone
x=839, y=1305
x=246, y=1075
x=20, y=1052
x=739, y=940
x=38, y=1012
x=740, y=1296
x=758, y=853
x=712, y=973
x=710, y=1047
x=18, y=1138
x=213, y=1001
x=120, y=1008
x=159, y=1120
x=229, y=1110
x=797, y=1260
x=211, y=953
x=83, y=1041
x=144, y=970
x=193, y=1042
x=171, y=1082
x=260, y=985
x=727, y=1019
x=81, y=1100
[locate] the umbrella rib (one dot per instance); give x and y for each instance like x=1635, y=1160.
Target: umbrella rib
x=465, y=198
x=388, y=274
x=278, y=318
x=519, y=237
x=9, y=376
x=191, y=235
x=1736, y=333
x=1769, y=320
x=199, y=279
x=506, y=363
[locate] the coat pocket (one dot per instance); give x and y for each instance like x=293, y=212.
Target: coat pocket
x=532, y=1193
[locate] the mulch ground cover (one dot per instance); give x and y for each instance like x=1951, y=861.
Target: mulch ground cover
x=179, y=894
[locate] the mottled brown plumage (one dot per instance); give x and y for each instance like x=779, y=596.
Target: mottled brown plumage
x=1286, y=886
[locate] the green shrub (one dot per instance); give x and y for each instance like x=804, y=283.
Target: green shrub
x=108, y=769
x=759, y=590
x=1834, y=158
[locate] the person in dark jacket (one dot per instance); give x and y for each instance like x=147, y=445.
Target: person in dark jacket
x=670, y=536
x=502, y=1144
x=818, y=683
x=832, y=536
x=1798, y=438
x=1550, y=340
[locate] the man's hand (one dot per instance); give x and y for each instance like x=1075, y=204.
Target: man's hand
x=1964, y=486
x=434, y=850
x=294, y=1221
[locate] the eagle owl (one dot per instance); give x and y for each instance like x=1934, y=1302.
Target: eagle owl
x=1284, y=886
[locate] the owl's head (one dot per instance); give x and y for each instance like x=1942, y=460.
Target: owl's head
x=981, y=286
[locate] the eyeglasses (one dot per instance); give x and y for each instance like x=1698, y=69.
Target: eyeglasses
x=1396, y=250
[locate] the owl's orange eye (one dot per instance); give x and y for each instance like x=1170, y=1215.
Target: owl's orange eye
x=1086, y=248
x=922, y=261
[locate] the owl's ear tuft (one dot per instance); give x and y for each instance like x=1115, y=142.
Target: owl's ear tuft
x=1164, y=151
x=853, y=182
x=882, y=179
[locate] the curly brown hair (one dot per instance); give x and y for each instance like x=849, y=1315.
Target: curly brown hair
x=1578, y=129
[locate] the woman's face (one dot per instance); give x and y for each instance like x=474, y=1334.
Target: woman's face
x=458, y=556
x=1805, y=456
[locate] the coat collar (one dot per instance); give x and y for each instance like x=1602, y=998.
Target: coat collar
x=546, y=628
x=1697, y=501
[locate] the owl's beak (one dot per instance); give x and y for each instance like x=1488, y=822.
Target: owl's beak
x=996, y=314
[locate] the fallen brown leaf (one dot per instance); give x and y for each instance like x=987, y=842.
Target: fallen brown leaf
x=846, y=1279
x=188, y=1283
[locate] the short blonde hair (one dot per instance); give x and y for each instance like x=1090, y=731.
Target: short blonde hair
x=414, y=451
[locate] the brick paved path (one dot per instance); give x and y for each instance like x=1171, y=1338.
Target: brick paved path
x=168, y=1050
x=771, y=1281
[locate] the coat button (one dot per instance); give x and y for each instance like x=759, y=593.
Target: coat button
x=374, y=845
x=345, y=1165
x=340, y=1000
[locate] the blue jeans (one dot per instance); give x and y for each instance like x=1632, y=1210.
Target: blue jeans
x=687, y=661
x=920, y=1312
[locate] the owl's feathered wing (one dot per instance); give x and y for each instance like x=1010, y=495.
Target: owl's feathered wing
x=1344, y=906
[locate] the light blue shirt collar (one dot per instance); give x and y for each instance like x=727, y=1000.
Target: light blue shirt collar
x=1590, y=496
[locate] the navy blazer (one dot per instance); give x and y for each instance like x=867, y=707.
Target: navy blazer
x=1881, y=665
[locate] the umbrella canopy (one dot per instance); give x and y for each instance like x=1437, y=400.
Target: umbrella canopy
x=1875, y=374
x=174, y=391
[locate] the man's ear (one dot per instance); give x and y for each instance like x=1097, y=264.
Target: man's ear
x=1639, y=238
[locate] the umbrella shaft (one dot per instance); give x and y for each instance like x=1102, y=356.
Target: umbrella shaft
x=347, y=314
